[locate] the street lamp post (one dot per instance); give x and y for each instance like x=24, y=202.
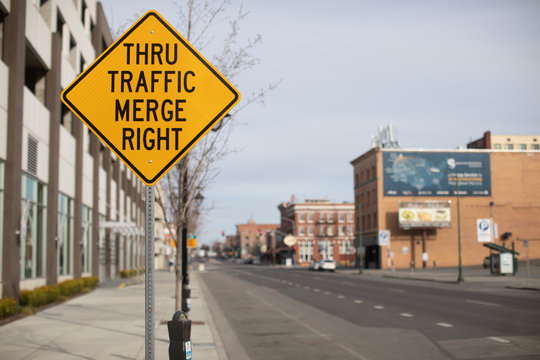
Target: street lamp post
x=460, y=270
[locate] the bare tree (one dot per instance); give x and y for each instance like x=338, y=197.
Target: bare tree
x=197, y=170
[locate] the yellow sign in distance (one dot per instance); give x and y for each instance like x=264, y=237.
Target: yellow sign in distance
x=150, y=97
x=192, y=243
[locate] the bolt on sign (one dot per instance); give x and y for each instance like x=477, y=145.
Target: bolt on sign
x=150, y=97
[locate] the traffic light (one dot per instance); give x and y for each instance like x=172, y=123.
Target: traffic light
x=260, y=232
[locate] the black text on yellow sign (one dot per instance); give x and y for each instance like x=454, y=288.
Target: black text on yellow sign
x=150, y=97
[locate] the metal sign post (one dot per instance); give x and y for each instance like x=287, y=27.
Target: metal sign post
x=149, y=274
x=526, y=246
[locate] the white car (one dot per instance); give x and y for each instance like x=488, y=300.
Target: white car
x=315, y=265
x=329, y=265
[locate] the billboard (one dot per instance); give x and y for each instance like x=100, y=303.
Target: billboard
x=424, y=214
x=419, y=173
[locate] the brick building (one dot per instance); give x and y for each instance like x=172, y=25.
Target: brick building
x=506, y=142
x=414, y=195
x=323, y=230
x=253, y=239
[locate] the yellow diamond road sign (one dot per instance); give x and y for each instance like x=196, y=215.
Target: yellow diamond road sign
x=150, y=97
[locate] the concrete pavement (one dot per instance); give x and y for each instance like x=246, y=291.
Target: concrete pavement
x=108, y=323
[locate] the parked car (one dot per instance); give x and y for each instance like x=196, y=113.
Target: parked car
x=329, y=265
x=315, y=265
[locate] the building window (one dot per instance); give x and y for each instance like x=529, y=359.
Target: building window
x=522, y=147
x=310, y=230
x=86, y=241
x=330, y=231
x=330, y=218
x=2, y=17
x=345, y=247
x=321, y=217
x=350, y=230
x=341, y=230
x=350, y=217
x=65, y=235
x=509, y=146
x=35, y=74
x=33, y=228
x=310, y=218
x=301, y=231
x=322, y=230
x=535, y=146
x=305, y=249
x=326, y=249
x=341, y=218
x=497, y=146
x=301, y=217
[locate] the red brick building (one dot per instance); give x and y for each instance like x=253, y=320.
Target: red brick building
x=414, y=195
x=252, y=238
x=323, y=230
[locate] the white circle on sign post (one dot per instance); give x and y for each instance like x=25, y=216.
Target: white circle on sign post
x=483, y=225
x=289, y=240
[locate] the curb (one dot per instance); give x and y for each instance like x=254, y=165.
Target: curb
x=421, y=279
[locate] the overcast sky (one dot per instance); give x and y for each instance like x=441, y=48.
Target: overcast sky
x=441, y=72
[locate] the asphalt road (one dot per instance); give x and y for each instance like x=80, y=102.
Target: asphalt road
x=277, y=313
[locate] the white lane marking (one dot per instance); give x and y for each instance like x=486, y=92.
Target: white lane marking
x=292, y=317
x=297, y=285
x=499, y=340
x=482, y=303
x=357, y=301
x=446, y=325
x=406, y=315
x=306, y=287
x=290, y=284
x=327, y=293
x=316, y=290
x=341, y=297
x=378, y=307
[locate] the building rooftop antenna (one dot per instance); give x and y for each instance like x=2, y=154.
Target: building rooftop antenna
x=387, y=138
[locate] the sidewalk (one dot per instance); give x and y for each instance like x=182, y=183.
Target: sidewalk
x=473, y=275
x=108, y=323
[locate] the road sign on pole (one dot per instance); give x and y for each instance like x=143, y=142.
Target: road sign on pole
x=150, y=97
x=483, y=230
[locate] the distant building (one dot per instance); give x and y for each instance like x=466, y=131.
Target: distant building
x=412, y=193
x=252, y=238
x=323, y=230
x=506, y=142
x=68, y=207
